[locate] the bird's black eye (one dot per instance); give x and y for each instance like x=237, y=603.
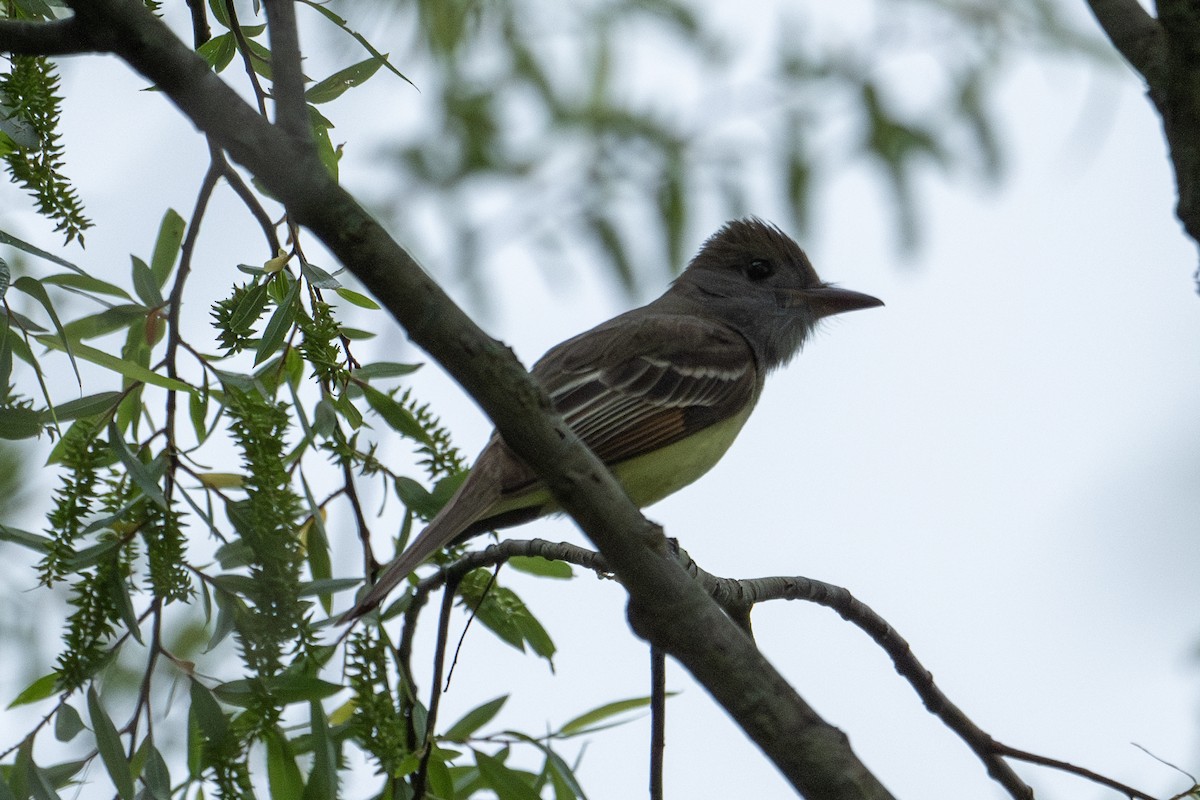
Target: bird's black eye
x=759, y=268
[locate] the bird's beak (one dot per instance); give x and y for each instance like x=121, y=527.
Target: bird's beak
x=828, y=300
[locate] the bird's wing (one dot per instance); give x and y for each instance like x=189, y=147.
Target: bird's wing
x=630, y=387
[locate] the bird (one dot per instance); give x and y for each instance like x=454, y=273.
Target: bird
x=658, y=393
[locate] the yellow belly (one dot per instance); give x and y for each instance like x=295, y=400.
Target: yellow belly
x=651, y=477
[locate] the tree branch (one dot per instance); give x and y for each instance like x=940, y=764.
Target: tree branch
x=1135, y=34
x=666, y=605
x=58, y=38
x=1166, y=52
x=287, y=76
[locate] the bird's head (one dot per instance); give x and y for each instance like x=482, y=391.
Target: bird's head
x=758, y=280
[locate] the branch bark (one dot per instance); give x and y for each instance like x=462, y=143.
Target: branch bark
x=57, y=38
x=666, y=605
x=1166, y=53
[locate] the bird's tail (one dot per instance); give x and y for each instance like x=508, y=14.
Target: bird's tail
x=469, y=504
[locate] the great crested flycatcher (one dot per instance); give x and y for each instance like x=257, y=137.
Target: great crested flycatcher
x=658, y=393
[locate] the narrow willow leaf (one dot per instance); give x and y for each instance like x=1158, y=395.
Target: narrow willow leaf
x=142, y=474
x=90, y=406
x=35, y=290
x=283, y=776
x=86, y=283
x=34, y=541
x=600, y=713
x=40, y=689
x=135, y=372
x=542, y=567
x=108, y=742
x=336, y=84
x=285, y=689
x=156, y=775
x=218, y=51
x=319, y=278
x=105, y=322
x=12, y=241
x=358, y=37
x=278, y=325
x=356, y=298
x=385, y=369
x=323, y=779
x=212, y=722
x=7, y=337
x=144, y=284
x=475, y=719
x=166, y=246
x=19, y=422
x=507, y=783
x=395, y=415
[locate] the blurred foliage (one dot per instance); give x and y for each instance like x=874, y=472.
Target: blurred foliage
x=617, y=127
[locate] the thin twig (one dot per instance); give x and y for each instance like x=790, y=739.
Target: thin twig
x=435, y=694
x=287, y=77
x=658, y=720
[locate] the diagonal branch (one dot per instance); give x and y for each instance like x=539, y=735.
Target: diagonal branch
x=1135, y=34
x=57, y=38
x=666, y=605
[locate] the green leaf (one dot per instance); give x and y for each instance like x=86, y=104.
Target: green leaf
x=86, y=283
x=12, y=241
x=415, y=497
x=337, y=83
x=508, y=784
x=395, y=415
x=588, y=719
x=156, y=775
x=384, y=369
x=505, y=614
x=341, y=23
x=106, y=321
x=323, y=779
x=90, y=406
x=284, y=689
x=316, y=545
x=144, y=283
x=20, y=422
x=283, y=776
x=34, y=541
x=7, y=337
x=319, y=278
x=542, y=567
x=475, y=719
x=145, y=476
x=356, y=334
x=360, y=300
x=211, y=720
x=135, y=372
x=35, y=290
x=108, y=742
x=218, y=51
x=40, y=689
x=566, y=785
x=278, y=326
x=166, y=246
x=67, y=723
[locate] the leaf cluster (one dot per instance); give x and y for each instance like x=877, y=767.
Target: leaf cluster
x=30, y=142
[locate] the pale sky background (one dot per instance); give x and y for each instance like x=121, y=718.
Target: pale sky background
x=1003, y=462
